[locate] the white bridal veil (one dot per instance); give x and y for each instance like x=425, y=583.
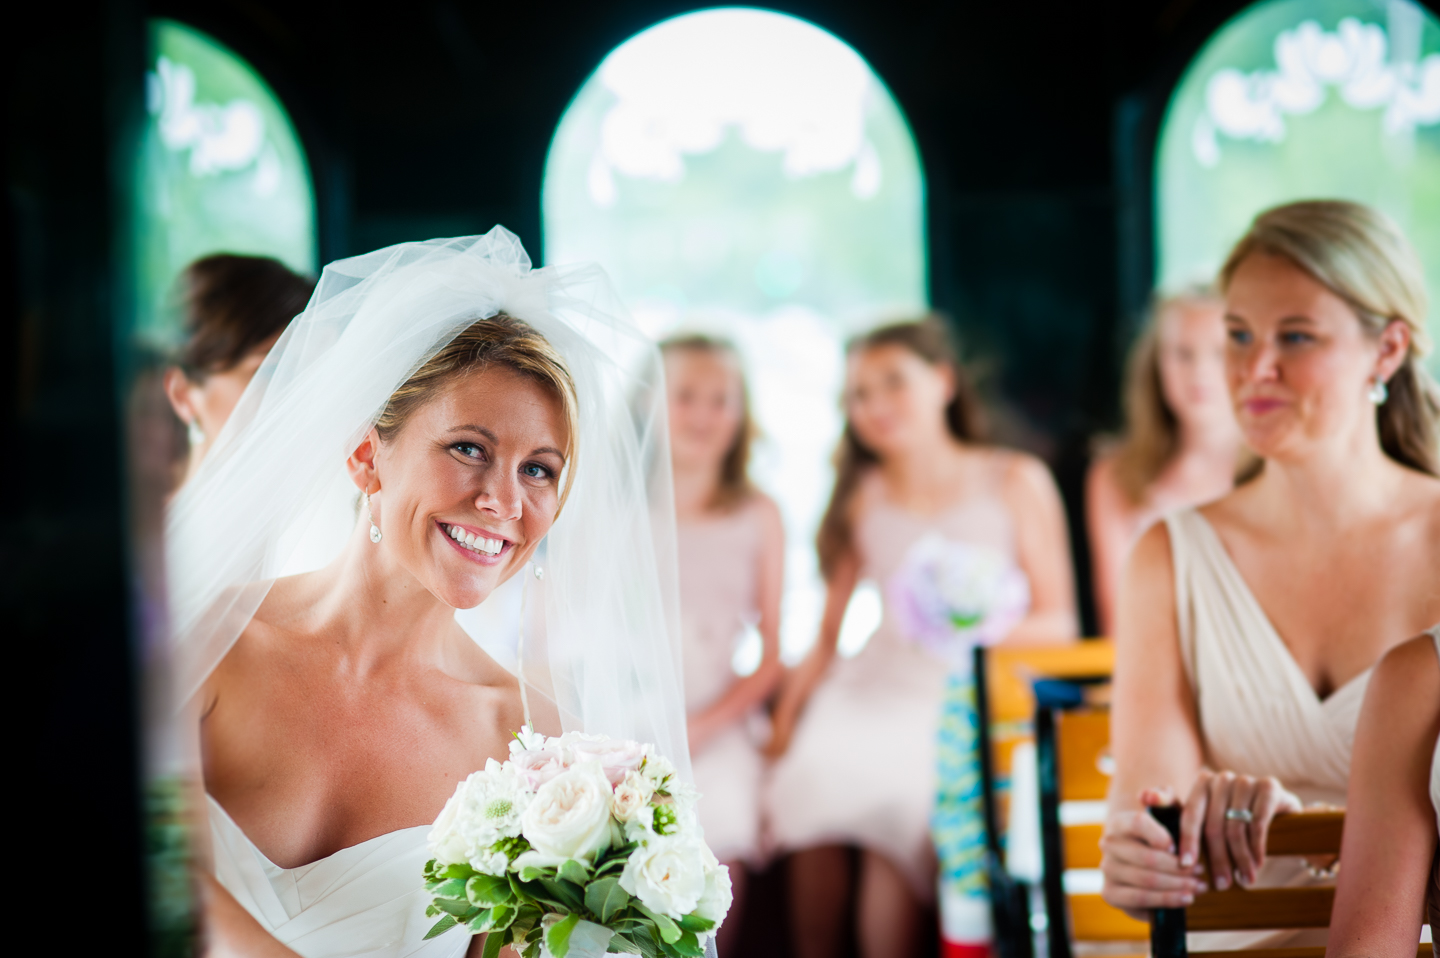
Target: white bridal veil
x=272, y=497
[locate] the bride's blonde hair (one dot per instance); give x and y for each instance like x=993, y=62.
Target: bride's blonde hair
x=1361, y=256
x=499, y=340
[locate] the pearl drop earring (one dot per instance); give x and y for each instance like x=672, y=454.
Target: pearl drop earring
x=374, y=529
x=1379, y=392
x=193, y=433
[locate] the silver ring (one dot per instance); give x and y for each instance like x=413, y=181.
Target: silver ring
x=1239, y=815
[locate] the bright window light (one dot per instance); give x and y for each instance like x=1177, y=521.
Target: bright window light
x=746, y=173
x=1298, y=99
x=220, y=170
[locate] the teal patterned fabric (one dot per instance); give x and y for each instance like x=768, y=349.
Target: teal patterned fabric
x=958, y=825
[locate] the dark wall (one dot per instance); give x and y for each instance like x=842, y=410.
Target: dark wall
x=72, y=107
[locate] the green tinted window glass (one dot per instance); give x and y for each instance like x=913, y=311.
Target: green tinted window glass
x=1299, y=99
x=746, y=173
x=221, y=170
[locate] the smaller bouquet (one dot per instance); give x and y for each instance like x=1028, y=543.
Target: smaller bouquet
x=576, y=846
x=951, y=596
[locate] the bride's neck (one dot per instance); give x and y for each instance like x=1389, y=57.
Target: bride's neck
x=368, y=602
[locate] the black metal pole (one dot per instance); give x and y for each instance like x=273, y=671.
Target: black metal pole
x=1167, y=925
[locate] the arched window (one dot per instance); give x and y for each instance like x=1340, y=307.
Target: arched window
x=221, y=170
x=746, y=173
x=1296, y=99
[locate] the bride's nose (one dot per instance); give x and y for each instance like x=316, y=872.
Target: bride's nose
x=499, y=496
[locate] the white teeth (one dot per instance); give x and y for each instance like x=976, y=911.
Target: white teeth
x=476, y=543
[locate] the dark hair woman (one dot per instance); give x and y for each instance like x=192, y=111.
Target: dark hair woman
x=234, y=309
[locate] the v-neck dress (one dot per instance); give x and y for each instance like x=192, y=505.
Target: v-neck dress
x=1258, y=713
x=366, y=900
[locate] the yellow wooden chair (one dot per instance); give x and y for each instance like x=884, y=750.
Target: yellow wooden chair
x=1009, y=711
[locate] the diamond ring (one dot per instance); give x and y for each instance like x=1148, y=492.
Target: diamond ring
x=1239, y=815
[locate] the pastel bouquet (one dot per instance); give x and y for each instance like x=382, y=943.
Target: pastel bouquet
x=951, y=596
x=576, y=846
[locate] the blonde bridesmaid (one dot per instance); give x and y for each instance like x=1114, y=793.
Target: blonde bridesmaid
x=732, y=549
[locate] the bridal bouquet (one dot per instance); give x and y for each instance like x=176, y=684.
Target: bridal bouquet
x=952, y=596
x=577, y=845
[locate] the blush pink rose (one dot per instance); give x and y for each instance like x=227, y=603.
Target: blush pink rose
x=616, y=758
x=539, y=765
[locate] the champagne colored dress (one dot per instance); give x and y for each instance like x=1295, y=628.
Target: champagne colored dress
x=1258, y=713
x=861, y=768
x=719, y=571
x=366, y=900
x=1434, y=904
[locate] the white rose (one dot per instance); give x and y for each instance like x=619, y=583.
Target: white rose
x=667, y=874
x=446, y=842
x=569, y=816
x=632, y=798
x=715, y=902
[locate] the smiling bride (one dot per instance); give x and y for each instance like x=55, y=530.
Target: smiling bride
x=404, y=452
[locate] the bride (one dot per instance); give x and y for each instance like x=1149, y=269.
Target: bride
x=403, y=453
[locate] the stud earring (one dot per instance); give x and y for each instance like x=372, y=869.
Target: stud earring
x=1379, y=392
x=374, y=529
x=193, y=433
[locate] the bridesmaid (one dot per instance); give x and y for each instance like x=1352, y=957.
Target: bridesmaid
x=1248, y=628
x=857, y=738
x=1181, y=442
x=1392, y=811
x=234, y=309
x=732, y=552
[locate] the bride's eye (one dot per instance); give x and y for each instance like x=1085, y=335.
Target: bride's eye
x=468, y=449
x=535, y=471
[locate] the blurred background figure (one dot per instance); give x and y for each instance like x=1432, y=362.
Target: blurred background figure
x=732, y=558
x=234, y=308
x=914, y=491
x=1180, y=443
x=1248, y=628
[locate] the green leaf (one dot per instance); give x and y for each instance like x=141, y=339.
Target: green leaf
x=567, y=894
x=693, y=922
x=493, y=944
x=456, y=871
x=441, y=926
x=574, y=871
x=488, y=891
x=606, y=899
x=686, y=946
x=532, y=950
x=535, y=873
x=481, y=922
x=557, y=939
x=503, y=916
x=669, y=933
x=644, y=939
x=450, y=888
x=622, y=945
x=460, y=908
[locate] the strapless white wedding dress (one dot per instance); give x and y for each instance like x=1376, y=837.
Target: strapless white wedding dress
x=366, y=900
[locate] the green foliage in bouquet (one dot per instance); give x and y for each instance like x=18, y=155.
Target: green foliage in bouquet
x=511, y=908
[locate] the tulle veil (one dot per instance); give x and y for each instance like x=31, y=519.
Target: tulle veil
x=601, y=636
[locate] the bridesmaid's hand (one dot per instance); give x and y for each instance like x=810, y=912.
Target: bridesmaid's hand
x=1234, y=842
x=1139, y=861
x=782, y=727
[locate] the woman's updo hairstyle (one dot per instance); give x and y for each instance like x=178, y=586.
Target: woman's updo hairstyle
x=928, y=338
x=499, y=340
x=233, y=305
x=1361, y=256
